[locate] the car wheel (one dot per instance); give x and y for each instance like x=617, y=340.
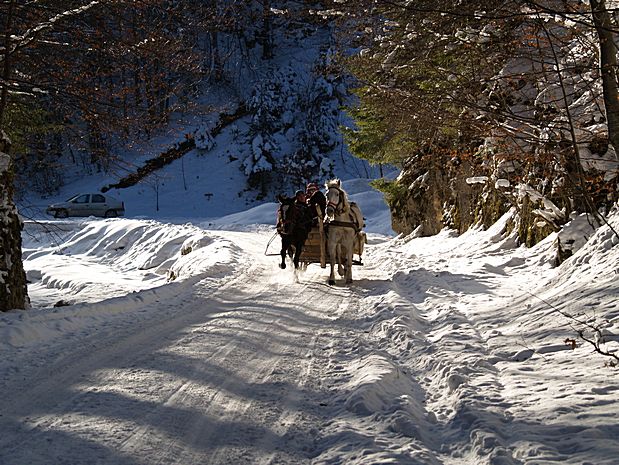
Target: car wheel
x=111, y=214
x=61, y=214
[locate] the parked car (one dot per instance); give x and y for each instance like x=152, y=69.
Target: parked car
x=88, y=205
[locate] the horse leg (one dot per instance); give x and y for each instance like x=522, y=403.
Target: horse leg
x=282, y=265
x=332, y=253
x=348, y=265
x=339, y=260
x=297, y=254
x=283, y=252
x=299, y=244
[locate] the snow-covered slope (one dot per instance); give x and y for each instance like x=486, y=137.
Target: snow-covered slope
x=212, y=180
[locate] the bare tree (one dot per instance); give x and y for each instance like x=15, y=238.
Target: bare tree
x=17, y=38
x=605, y=30
x=85, y=63
x=13, y=292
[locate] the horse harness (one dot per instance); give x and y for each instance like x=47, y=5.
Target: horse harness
x=336, y=207
x=344, y=224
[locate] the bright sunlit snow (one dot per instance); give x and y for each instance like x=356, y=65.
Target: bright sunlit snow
x=186, y=344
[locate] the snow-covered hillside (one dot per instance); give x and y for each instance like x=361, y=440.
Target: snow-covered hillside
x=445, y=350
x=288, y=131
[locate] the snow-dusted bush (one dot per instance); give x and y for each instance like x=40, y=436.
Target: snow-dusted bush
x=203, y=138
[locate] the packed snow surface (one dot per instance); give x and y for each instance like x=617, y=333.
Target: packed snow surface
x=186, y=344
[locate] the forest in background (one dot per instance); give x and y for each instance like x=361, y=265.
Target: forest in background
x=86, y=81
x=83, y=82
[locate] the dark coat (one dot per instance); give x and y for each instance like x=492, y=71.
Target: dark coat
x=317, y=198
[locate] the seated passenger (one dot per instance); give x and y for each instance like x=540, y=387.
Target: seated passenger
x=315, y=197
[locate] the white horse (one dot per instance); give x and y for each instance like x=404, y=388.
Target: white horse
x=343, y=229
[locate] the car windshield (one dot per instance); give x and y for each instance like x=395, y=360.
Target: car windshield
x=73, y=198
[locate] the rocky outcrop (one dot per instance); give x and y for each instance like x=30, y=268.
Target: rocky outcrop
x=433, y=192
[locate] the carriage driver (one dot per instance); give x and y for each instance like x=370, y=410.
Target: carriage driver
x=300, y=198
x=310, y=189
x=300, y=201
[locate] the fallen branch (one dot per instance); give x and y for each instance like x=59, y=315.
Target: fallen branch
x=596, y=342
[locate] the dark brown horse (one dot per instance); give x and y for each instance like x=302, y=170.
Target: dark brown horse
x=294, y=222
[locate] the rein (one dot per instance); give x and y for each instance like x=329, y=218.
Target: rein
x=267, y=247
x=333, y=204
x=342, y=211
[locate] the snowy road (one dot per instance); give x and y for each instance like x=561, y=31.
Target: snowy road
x=233, y=377
x=441, y=352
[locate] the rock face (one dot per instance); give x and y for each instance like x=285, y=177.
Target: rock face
x=13, y=292
x=432, y=193
x=422, y=205
x=435, y=194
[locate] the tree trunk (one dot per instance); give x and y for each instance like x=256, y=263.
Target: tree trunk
x=6, y=65
x=13, y=292
x=267, y=32
x=608, y=66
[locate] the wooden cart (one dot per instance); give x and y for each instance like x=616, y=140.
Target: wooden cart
x=315, y=249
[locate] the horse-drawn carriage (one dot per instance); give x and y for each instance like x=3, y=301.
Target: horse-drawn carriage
x=315, y=249
x=334, y=237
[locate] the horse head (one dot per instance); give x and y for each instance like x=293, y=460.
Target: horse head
x=285, y=215
x=317, y=198
x=337, y=200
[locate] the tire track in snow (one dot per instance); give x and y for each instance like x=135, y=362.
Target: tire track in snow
x=56, y=390
x=224, y=381
x=279, y=421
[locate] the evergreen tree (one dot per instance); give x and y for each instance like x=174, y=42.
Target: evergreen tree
x=505, y=89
